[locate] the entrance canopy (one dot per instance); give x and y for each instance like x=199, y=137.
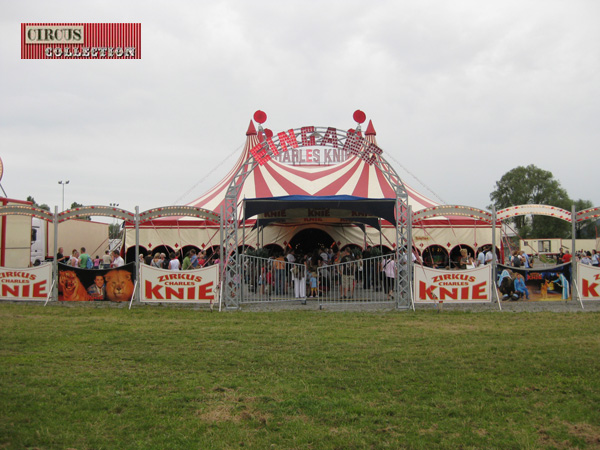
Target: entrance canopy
x=349, y=207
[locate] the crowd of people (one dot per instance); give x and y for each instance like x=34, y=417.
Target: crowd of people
x=173, y=261
x=81, y=259
x=316, y=273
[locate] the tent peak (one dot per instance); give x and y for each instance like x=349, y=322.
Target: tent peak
x=251, y=130
x=370, y=129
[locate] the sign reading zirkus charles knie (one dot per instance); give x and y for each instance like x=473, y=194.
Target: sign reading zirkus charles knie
x=25, y=284
x=182, y=286
x=453, y=286
x=81, y=40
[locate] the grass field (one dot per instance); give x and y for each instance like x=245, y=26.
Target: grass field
x=164, y=378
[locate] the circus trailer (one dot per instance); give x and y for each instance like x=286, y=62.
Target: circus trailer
x=15, y=237
x=73, y=234
x=315, y=162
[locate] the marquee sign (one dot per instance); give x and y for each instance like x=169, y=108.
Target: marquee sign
x=316, y=156
x=314, y=145
x=310, y=213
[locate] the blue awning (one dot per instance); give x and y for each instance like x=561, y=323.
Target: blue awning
x=383, y=208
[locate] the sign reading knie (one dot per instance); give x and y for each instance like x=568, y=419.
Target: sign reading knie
x=81, y=40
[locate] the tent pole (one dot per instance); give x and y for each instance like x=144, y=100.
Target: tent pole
x=137, y=251
x=573, y=250
x=244, y=226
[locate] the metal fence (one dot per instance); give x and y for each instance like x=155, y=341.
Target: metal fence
x=358, y=281
x=370, y=280
x=272, y=280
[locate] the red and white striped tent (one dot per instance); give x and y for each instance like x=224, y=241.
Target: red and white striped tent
x=311, y=175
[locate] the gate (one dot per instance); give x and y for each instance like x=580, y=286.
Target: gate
x=362, y=281
x=268, y=280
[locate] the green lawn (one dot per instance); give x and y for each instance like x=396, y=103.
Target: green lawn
x=165, y=378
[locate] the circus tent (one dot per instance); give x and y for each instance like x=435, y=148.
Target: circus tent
x=321, y=172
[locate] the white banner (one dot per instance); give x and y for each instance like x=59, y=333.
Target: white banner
x=588, y=281
x=32, y=283
x=182, y=286
x=453, y=286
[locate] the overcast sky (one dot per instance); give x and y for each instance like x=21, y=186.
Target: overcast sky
x=460, y=92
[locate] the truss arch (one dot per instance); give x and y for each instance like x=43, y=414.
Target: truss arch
x=353, y=144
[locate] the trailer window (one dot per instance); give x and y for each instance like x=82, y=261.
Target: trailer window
x=544, y=246
x=33, y=235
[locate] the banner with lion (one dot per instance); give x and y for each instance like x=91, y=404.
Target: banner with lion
x=88, y=285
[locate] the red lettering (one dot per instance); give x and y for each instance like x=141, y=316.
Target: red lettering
x=352, y=144
x=330, y=137
x=39, y=289
x=478, y=292
x=589, y=289
x=26, y=290
x=153, y=291
x=6, y=289
x=308, y=155
x=285, y=140
x=446, y=293
x=260, y=154
x=426, y=292
x=171, y=293
x=306, y=139
x=272, y=146
x=205, y=291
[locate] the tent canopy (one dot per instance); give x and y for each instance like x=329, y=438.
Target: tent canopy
x=375, y=207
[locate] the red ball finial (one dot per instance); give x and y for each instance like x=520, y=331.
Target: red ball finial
x=359, y=116
x=260, y=116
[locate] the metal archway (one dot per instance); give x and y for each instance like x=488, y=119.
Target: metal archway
x=353, y=144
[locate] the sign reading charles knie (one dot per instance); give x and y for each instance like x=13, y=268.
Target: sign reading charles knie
x=81, y=40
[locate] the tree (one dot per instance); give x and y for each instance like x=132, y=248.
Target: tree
x=42, y=206
x=532, y=185
x=114, y=231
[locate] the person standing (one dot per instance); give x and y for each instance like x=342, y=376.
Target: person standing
x=74, y=259
x=117, y=260
x=481, y=258
x=106, y=260
x=279, y=268
x=83, y=259
x=60, y=257
x=193, y=259
x=156, y=261
x=174, y=264
x=298, y=272
x=389, y=275
x=187, y=261
x=489, y=257
x=347, y=273
x=595, y=258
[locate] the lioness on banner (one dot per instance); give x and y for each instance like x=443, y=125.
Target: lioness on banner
x=85, y=285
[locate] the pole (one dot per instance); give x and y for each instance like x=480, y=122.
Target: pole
x=55, y=262
x=574, y=292
x=137, y=249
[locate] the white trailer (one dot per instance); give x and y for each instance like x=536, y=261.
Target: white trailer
x=72, y=235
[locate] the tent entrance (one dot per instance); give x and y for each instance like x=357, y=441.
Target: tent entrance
x=310, y=239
